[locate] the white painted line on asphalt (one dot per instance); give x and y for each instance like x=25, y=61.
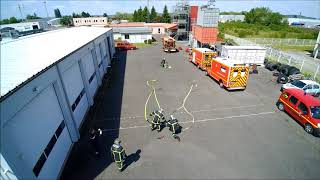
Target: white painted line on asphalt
x=197, y=111
x=229, y=117
x=198, y=121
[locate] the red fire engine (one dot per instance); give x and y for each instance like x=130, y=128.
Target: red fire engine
x=202, y=57
x=228, y=74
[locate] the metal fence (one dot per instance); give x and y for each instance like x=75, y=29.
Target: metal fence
x=281, y=41
x=306, y=65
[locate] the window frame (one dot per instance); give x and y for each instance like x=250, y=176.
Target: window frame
x=292, y=96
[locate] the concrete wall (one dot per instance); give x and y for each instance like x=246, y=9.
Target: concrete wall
x=43, y=117
x=89, y=21
x=133, y=38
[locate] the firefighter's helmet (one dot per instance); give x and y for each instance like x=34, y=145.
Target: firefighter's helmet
x=117, y=141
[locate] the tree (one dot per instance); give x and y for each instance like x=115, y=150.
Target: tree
x=153, y=14
x=66, y=20
x=85, y=14
x=57, y=13
x=135, y=16
x=263, y=16
x=165, y=15
x=13, y=20
x=75, y=15
x=105, y=15
x=34, y=16
x=139, y=15
x=145, y=14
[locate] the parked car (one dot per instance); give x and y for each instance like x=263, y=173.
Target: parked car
x=302, y=107
x=310, y=87
x=124, y=45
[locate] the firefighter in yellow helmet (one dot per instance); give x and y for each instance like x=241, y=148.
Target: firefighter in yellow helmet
x=157, y=120
x=118, y=153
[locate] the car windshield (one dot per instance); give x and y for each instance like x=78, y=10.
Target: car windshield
x=315, y=112
x=298, y=83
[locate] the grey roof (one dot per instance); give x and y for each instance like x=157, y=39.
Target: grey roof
x=133, y=30
x=25, y=57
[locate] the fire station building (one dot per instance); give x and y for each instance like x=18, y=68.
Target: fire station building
x=48, y=82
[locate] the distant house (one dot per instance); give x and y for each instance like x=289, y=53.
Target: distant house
x=157, y=28
x=90, y=21
x=132, y=34
x=304, y=22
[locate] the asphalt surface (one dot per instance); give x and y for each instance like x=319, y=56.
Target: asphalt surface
x=235, y=135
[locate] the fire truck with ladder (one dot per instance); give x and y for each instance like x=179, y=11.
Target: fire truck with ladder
x=228, y=73
x=202, y=57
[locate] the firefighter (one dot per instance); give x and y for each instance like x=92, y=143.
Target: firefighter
x=157, y=120
x=174, y=127
x=118, y=153
x=95, y=135
x=164, y=63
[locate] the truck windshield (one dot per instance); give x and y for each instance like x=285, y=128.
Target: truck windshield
x=298, y=84
x=315, y=111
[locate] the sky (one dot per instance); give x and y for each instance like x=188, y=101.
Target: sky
x=10, y=7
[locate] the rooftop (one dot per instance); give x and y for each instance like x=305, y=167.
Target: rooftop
x=245, y=47
x=142, y=24
x=132, y=30
x=25, y=57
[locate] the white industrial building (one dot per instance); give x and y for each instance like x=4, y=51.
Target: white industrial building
x=133, y=34
x=48, y=82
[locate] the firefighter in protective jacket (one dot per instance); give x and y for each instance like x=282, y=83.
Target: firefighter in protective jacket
x=157, y=119
x=174, y=126
x=118, y=153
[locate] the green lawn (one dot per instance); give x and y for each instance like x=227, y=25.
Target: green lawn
x=293, y=48
x=141, y=45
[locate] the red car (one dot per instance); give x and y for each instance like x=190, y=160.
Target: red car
x=302, y=107
x=124, y=45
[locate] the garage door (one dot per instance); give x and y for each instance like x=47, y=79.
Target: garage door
x=89, y=70
x=75, y=91
x=36, y=138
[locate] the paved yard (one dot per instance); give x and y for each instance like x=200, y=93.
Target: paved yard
x=236, y=134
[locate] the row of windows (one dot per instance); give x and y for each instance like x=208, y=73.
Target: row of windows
x=91, y=77
x=78, y=21
x=45, y=154
x=76, y=102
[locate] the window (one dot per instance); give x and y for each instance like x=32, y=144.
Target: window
x=309, y=86
x=126, y=36
x=45, y=154
x=293, y=100
x=303, y=108
x=298, y=83
x=91, y=77
x=315, y=86
x=76, y=102
x=102, y=20
x=159, y=30
x=223, y=70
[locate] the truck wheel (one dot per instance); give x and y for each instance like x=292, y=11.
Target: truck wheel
x=280, y=106
x=221, y=84
x=308, y=128
x=282, y=79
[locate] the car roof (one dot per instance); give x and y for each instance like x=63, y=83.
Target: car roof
x=309, y=82
x=307, y=99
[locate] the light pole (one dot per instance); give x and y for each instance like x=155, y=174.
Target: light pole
x=45, y=6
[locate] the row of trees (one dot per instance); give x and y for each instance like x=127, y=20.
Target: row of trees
x=264, y=16
x=144, y=15
x=12, y=20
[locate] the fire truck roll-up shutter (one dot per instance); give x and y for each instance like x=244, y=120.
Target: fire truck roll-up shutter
x=239, y=76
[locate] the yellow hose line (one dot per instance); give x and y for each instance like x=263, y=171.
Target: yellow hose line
x=153, y=91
